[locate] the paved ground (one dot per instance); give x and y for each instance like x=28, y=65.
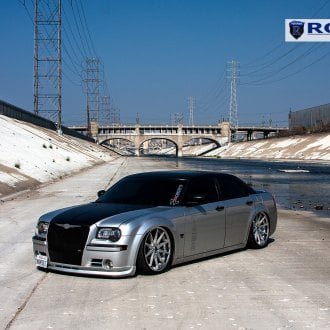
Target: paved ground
x=286, y=285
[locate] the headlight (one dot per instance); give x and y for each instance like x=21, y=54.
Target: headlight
x=42, y=228
x=112, y=234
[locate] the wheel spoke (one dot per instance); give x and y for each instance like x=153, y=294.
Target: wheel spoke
x=160, y=245
x=257, y=237
x=163, y=252
x=148, y=253
x=148, y=245
x=151, y=237
x=160, y=237
x=151, y=259
x=156, y=261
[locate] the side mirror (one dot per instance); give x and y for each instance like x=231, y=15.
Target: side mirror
x=195, y=200
x=100, y=193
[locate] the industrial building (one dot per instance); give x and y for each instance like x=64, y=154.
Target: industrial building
x=315, y=119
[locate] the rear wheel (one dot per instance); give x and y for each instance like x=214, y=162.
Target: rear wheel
x=155, y=253
x=259, y=232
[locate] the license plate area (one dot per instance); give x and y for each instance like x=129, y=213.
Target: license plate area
x=41, y=261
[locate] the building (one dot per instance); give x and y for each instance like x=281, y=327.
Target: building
x=315, y=119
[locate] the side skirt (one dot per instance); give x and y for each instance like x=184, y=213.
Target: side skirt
x=208, y=254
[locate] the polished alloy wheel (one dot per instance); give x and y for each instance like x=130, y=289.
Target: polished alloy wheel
x=261, y=229
x=157, y=249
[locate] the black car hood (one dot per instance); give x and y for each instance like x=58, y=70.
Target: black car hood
x=88, y=214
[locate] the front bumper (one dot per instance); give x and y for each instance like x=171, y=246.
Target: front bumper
x=99, y=260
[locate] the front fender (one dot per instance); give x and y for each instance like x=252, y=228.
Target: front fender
x=173, y=230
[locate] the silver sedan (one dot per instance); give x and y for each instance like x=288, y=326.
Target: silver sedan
x=149, y=221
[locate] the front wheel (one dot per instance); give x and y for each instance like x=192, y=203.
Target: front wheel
x=155, y=253
x=259, y=231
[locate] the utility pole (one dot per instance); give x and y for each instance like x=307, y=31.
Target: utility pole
x=233, y=73
x=191, y=109
x=47, y=62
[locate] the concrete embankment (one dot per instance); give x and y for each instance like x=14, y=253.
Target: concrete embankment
x=30, y=155
x=315, y=147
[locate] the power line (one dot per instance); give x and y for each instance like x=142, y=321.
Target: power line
x=85, y=53
x=26, y=9
x=269, y=77
x=85, y=25
x=302, y=69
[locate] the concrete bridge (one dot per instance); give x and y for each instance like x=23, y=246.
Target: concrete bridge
x=179, y=135
x=138, y=135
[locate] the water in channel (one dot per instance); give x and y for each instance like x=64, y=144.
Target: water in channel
x=303, y=186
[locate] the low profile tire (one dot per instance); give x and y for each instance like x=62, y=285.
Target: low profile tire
x=259, y=231
x=155, y=253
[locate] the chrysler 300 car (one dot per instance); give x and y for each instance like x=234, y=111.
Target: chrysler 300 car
x=149, y=221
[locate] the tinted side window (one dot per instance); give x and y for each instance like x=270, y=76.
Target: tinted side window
x=203, y=186
x=232, y=187
x=145, y=191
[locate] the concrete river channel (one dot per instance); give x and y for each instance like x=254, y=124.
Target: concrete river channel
x=286, y=285
x=303, y=186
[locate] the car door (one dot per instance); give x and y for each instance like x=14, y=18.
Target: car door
x=205, y=217
x=238, y=202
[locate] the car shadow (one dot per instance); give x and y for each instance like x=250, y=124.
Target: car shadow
x=220, y=254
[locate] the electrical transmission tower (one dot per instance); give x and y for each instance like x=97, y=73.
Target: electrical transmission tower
x=177, y=118
x=233, y=73
x=47, y=74
x=115, y=115
x=191, y=108
x=105, y=115
x=92, y=84
x=109, y=115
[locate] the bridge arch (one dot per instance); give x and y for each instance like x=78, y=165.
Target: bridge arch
x=143, y=141
x=193, y=146
x=117, y=144
x=210, y=139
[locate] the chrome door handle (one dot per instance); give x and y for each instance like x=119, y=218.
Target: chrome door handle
x=220, y=208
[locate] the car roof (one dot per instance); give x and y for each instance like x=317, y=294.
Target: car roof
x=176, y=174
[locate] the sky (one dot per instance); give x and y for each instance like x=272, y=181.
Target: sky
x=157, y=54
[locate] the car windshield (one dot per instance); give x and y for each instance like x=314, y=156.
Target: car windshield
x=145, y=191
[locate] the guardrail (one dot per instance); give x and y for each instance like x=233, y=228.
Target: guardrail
x=12, y=111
